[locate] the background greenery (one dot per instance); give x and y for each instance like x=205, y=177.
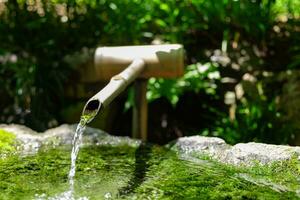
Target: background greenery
x=241, y=81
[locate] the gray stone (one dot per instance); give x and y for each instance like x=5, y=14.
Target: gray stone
x=30, y=141
x=239, y=154
x=211, y=146
x=249, y=153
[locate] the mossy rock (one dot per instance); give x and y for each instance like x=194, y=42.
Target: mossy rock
x=7, y=142
x=144, y=172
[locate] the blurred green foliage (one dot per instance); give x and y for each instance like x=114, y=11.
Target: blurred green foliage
x=226, y=41
x=196, y=77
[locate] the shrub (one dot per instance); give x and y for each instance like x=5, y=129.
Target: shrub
x=41, y=39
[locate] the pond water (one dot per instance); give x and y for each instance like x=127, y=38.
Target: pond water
x=145, y=172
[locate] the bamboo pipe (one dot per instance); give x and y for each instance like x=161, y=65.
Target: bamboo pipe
x=164, y=61
x=117, y=84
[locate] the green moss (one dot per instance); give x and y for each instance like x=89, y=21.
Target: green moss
x=173, y=178
x=99, y=170
x=7, y=142
x=148, y=172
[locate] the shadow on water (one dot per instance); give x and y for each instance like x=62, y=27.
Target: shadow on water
x=142, y=156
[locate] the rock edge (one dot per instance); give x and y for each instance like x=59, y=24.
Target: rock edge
x=239, y=154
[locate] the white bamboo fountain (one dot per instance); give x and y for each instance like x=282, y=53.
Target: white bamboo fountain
x=122, y=66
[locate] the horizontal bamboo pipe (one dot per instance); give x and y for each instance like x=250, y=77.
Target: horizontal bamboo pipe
x=164, y=61
x=117, y=84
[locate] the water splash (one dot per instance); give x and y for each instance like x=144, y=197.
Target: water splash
x=107, y=196
x=63, y=196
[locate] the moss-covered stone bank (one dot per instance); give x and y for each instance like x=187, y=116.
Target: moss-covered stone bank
x=144, y=172
x=7, y=143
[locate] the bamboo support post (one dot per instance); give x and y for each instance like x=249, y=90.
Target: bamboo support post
x=140, y=110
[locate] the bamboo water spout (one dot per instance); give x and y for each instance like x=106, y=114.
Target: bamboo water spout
x=122, y=65
x=117, y=84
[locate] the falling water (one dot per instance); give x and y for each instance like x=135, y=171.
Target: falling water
x=69, y=194
x=75, y=149
x=76, y=145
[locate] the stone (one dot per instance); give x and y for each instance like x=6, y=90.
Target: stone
x=27, y=139
x=30, y=141
x=239, y=154
x=191, y=147
x=211, y=146
x=249, y=153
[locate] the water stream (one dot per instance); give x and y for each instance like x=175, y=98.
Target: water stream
x=75, y=149
x=84, y=119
